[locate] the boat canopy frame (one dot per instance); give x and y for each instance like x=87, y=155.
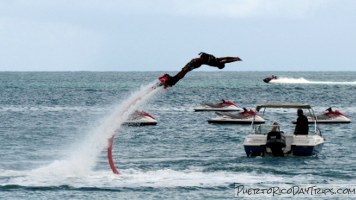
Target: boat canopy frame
x=302, y=106
x=290, y=106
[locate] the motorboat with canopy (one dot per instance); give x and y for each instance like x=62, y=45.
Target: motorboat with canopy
x=279, y=140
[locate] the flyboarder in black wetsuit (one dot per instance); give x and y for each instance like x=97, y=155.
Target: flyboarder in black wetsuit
x=204, y=59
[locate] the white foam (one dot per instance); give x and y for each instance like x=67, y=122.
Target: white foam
x=301, y=80
x=187, y=178
x=133, y=178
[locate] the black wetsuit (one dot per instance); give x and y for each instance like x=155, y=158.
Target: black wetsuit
x=204, y=59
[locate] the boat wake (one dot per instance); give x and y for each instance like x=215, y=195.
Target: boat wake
x=286, y=80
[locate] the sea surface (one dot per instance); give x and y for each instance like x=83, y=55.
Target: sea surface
x=54, y=128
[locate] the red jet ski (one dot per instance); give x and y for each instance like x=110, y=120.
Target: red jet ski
x=224, y=105
x=268, y=79
x=332, y=116
x=244, y=117
x=140, y=118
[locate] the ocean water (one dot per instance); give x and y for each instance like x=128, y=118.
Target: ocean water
x=55, y=125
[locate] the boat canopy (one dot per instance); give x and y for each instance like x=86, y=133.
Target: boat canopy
x=302, y=106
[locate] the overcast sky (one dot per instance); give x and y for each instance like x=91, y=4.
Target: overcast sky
x=151, y=35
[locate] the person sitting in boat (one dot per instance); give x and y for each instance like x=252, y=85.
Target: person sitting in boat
x=302, y=127
x=204, y=59
x=276, y=140
x=275, y=127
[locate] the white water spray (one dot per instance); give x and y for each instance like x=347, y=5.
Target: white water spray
x=286, y=80
x=84, y=158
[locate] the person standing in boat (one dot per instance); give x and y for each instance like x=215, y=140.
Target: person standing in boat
x=302, y=127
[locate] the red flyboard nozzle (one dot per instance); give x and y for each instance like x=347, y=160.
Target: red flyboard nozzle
x=110, y=159
x=164, y=78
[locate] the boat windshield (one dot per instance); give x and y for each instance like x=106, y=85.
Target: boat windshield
x=265, y=129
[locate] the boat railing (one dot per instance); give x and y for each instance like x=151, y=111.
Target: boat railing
x=263, y=129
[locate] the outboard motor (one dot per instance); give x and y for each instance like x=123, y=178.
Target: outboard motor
x=276, y=141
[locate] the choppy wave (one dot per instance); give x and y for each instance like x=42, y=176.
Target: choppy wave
x=19, y=108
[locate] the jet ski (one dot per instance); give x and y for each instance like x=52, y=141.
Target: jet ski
x=332, y=116
x=268, y=79
x=140, y=118
x=329, y=117
x=244, y=117
x=224, y=105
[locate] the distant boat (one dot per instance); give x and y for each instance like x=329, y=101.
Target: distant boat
x=268, y=79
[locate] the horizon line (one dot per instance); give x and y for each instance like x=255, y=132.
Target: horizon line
x=2, y=71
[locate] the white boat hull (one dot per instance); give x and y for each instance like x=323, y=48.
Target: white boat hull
x=230, y=120
x=144, y=121
x=208, y=108
x=296, y=145
x=328, y=120
x=337, y=119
